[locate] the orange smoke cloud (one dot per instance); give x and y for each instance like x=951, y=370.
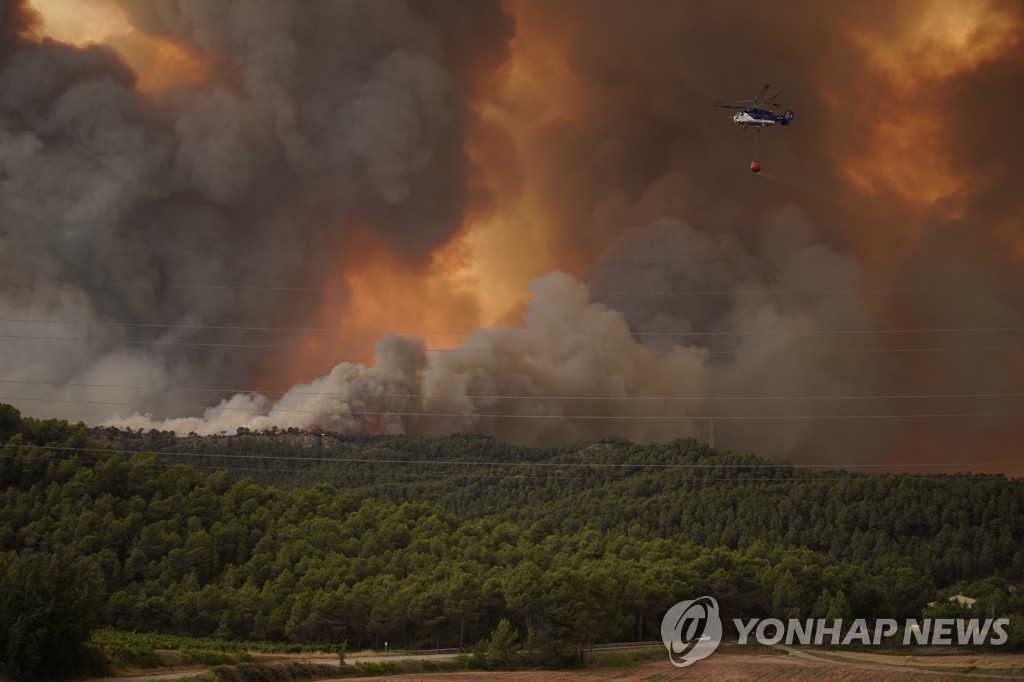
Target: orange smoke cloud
x=907, y=167
x=513, y=231
x=508, y=228
x=373, y=290
x=159, y=64
x=904, y=162
x=587, y=124
x=394, y=291
x=1008, y=231
x=480, y=277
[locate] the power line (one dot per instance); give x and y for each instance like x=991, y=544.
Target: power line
x=365, y=475
x=872, y=440
x=517, y=397
x=462, y=415
x=181, y=343
x=493, y=351
x=574, y=255
x=372, y=475
x=514, y=332
x=381, y=460
x=491, y=463
x=681, y=292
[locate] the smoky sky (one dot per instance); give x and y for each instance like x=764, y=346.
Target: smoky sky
x=119, y=215
x=857, y=302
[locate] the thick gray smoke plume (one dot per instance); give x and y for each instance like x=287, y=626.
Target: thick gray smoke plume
x=784, y=313
x=579, y=368
x=319, y=116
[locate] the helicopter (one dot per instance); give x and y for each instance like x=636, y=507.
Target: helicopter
x=758, y=112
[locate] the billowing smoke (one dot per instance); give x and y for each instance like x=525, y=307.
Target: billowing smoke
x=578, y=368
x=129, y=226
x=857, y=302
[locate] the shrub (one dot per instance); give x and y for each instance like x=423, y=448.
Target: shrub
x=206, y=657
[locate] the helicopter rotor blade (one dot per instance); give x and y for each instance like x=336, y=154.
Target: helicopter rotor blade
x=763, y=90
x=728, y=106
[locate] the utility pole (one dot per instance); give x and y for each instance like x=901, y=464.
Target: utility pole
x=711, y=432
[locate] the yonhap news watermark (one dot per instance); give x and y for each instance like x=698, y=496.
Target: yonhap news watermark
x=819, y=631
x=692, y=630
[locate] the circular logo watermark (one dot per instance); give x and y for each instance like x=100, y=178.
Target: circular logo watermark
x=691, y=630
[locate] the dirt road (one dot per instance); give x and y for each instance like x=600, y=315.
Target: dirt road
x=798, y=665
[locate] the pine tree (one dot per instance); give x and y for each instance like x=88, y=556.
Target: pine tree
x=502, y=648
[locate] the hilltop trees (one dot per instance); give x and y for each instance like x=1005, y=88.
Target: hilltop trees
x=564, y=554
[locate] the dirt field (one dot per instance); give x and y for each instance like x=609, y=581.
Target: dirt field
x=852, y=667
x=800, y=665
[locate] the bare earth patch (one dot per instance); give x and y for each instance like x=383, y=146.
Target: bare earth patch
x=1006, y=665
x=853, y=667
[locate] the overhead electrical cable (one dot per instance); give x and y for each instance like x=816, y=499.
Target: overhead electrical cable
x=491, y=415
x=494, y=396
x=680, y=292
x=503, y=331
x=494, y=351
x=485, y=463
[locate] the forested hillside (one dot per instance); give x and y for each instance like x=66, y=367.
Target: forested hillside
x=947, y=528
x=432, y=542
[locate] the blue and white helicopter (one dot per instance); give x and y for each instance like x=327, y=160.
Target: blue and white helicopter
x=758, y=112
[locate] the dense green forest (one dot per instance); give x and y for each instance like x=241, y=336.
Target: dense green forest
x=947, y=528
x=308, y=538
